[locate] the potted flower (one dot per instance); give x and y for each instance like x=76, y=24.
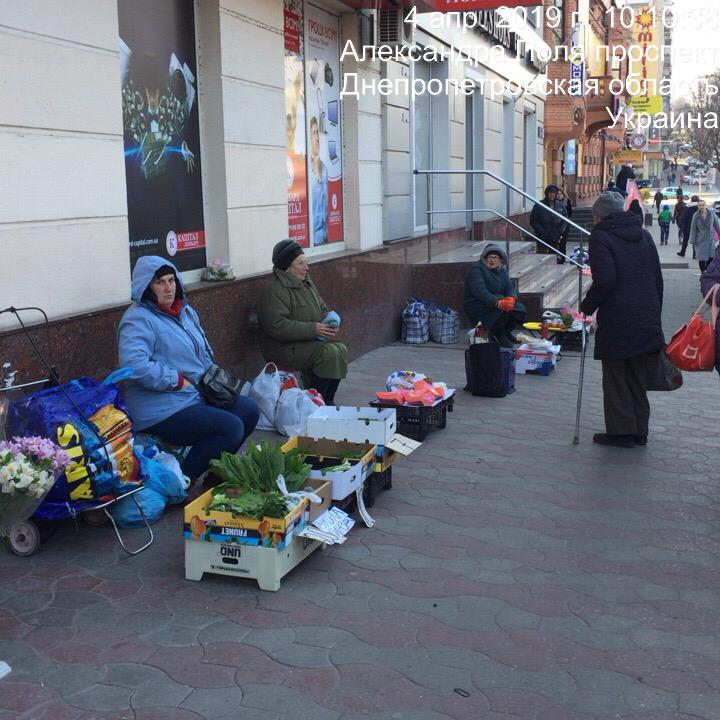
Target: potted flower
x=29, y=467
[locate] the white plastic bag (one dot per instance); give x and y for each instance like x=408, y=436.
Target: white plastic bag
x=172, y=464
x=265, y=391
x=294, y=407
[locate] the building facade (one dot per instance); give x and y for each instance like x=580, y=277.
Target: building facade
x=215, y=128
x=578, y=138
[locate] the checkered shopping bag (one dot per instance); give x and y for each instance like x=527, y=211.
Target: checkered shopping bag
x=415, y=324
x=444, y=325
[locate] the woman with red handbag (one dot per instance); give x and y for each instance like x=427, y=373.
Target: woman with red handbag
x=710, y=278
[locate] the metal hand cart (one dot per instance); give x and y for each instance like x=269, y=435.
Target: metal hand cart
x=26, y=536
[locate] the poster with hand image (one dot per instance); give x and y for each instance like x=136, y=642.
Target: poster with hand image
x=324, y=131
x=158, y=73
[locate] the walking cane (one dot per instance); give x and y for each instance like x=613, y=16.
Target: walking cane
x=576, y=439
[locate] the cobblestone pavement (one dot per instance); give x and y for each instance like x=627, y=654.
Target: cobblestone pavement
x=510, y=575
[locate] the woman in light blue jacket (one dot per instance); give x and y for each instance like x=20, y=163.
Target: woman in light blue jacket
x=161, y=339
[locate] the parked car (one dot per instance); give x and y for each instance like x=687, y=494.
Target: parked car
x=643, y=183
x=670, y=192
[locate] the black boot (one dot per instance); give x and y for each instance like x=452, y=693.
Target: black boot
x=330, y=390
x=319, y=384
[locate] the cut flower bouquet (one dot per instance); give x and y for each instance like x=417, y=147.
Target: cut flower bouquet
x=28, y=469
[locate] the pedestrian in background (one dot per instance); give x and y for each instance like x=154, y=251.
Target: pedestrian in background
x=636, y=208
x=564, y=207
x=664, y=222
x=627, y=293
x=686, y=224
x=703, y=227
x=659, y=197
x=677, y=214
x=623, y=177
x=546, y=225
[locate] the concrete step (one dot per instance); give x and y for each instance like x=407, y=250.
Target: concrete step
x=565, y=293
x=524, y=268
x=550, y=289
x=471, y=252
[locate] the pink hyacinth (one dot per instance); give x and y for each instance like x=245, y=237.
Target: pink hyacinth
x=40, y=450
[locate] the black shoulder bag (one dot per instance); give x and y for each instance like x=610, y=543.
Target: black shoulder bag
x=219, y=387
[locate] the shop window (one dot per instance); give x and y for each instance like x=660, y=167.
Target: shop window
x=313, y=141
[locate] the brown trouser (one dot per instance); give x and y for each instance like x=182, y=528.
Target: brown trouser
x=627, y=410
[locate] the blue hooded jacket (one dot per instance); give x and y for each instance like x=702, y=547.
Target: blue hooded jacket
x=159, y=348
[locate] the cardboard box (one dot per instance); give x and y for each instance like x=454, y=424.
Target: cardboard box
x=535, y=361
x=368, y=425
x=326, y=453
x=323, y=488
x=224, y=527
x=372, y=426
x=266, y=565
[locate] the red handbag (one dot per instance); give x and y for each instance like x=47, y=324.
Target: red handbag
x=692, y=347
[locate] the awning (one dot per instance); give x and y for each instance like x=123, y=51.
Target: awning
x=466, y=5
x=443, y=5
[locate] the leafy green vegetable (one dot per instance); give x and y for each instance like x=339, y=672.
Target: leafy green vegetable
x=257, y=469
x=250, y=504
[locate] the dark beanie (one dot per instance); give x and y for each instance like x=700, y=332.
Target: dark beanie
x=285, y=252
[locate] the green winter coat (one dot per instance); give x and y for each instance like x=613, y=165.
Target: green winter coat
x=287, y=312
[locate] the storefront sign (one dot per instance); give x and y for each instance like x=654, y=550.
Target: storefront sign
x=623, y=157
x=295, y=140
x=323, y=117
x=577, y=65
x=161, y=131
x=637, y=141
x=570, y=164
x=646, y=34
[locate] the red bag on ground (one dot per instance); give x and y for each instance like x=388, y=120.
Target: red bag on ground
x=692, y=347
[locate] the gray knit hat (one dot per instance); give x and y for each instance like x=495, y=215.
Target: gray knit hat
x=608, y=203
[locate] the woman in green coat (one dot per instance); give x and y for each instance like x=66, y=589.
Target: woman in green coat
x=294, y=326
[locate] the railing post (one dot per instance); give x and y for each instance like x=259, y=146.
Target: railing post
x=428, y=204
x=507, y=226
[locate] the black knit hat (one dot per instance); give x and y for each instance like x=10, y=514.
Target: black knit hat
x=285, y=252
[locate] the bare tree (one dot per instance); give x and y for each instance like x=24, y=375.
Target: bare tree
x=703, y=142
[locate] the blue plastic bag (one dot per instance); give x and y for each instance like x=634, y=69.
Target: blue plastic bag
x=126, y=514
x=163, y=481
x=90, y=422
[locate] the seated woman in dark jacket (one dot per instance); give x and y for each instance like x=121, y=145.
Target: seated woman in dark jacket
x=490, y=296
x=296, y=329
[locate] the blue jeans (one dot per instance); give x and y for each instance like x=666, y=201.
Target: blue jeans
x=209, y=430
x=664, y=233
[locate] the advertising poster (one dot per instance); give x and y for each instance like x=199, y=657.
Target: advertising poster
x=324, y=165
x=647, y=35
x=295, y=140
x=158, y=76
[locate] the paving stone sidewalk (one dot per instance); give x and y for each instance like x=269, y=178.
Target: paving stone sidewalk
x=510, y=575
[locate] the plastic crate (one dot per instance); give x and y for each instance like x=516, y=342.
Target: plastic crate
x=568, y=341
x=376, y=483
x=415, y=422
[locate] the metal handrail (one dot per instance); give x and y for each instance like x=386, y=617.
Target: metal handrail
x=515, y=225
x=508, y=185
